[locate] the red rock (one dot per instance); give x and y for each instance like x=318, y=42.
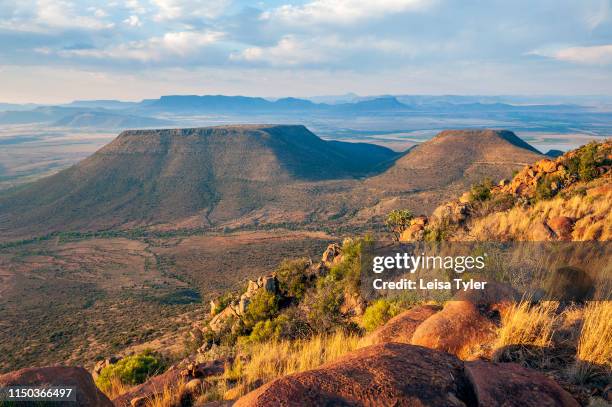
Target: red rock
x=401, y=327
x=170, y=378
x=456, y=329
x=562, y=226
x=509, y=385
x=547, y=166
x=87, y=394
x=495, y=297
x=390, y=374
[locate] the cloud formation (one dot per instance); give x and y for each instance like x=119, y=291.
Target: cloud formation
x=445, y=46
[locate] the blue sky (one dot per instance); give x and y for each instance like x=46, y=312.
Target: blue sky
x=61, y=50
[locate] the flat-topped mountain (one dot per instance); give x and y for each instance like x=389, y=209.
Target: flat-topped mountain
x=158, y=176
x=254, y=175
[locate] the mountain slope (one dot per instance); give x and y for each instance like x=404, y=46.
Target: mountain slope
x=568, y=198
x=457, y=158
x=156, y=176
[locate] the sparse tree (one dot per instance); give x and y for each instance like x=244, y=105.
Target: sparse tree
x=398, y=221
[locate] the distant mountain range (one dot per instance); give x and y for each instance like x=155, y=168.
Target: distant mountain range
x=244, y=175
x=105, y=113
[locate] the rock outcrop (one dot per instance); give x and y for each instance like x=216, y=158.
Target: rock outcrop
x=387, y=374
x=235, y=310
x=511, y=385
x=457, y=329
x=101, y=364
x=395, y=374
x=192, y=375
x=87, y=394
x=584, y=171
x=401, y=327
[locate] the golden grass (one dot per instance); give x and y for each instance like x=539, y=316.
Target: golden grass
x=116, y=388
x=530, y=326
x=593, y=214
x=171, y=396
x=268, y=361
x=594, y=353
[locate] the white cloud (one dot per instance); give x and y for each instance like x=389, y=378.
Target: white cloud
x=62, y=14
x=172, y=44
x=177, y=9
x=292, y=50
x=288, y=51
x=599, y=54
x=135, y=7
x=133, y=21
x=342, y=11
x=590, y=55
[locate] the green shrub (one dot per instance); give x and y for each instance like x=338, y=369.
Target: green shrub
x=587, y=169
x=546, y=188
x=482, y=191
x=397, y=221
x=379, y=312
x=324, y=306
x=132, y=370
x=263, y=305
x=292, y=279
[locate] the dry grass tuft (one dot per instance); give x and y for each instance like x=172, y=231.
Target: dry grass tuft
x=526, y=327
x=594, y=354
x=116, y=388
x=268, y=361
x=593, y=214
x=171, y=396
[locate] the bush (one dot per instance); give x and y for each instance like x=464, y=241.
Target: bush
x=324, y=306
x=379, y=312
x=584, y=164
x=263, y=306
x=587, y=169
x=546, y=188
x=132, y=370
x=481, y=192
x=292, y=278
x=397, y=221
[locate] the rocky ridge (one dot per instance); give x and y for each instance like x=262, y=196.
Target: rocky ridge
x=566, y=199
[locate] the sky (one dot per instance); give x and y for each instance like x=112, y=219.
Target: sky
x=55, y=51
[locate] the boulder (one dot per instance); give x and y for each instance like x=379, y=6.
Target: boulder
x=494, y=298
x=510, y=385
x=332, y=255
x=101, y=364
x=547, y=166
x=220, y=320
x=268, y=283
x=352, y=305
x=412, y=233
x=570, y=284
x=401, y=327
x=457, y=329
x=562, y=226
x=391, y=374
x=87, y=394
